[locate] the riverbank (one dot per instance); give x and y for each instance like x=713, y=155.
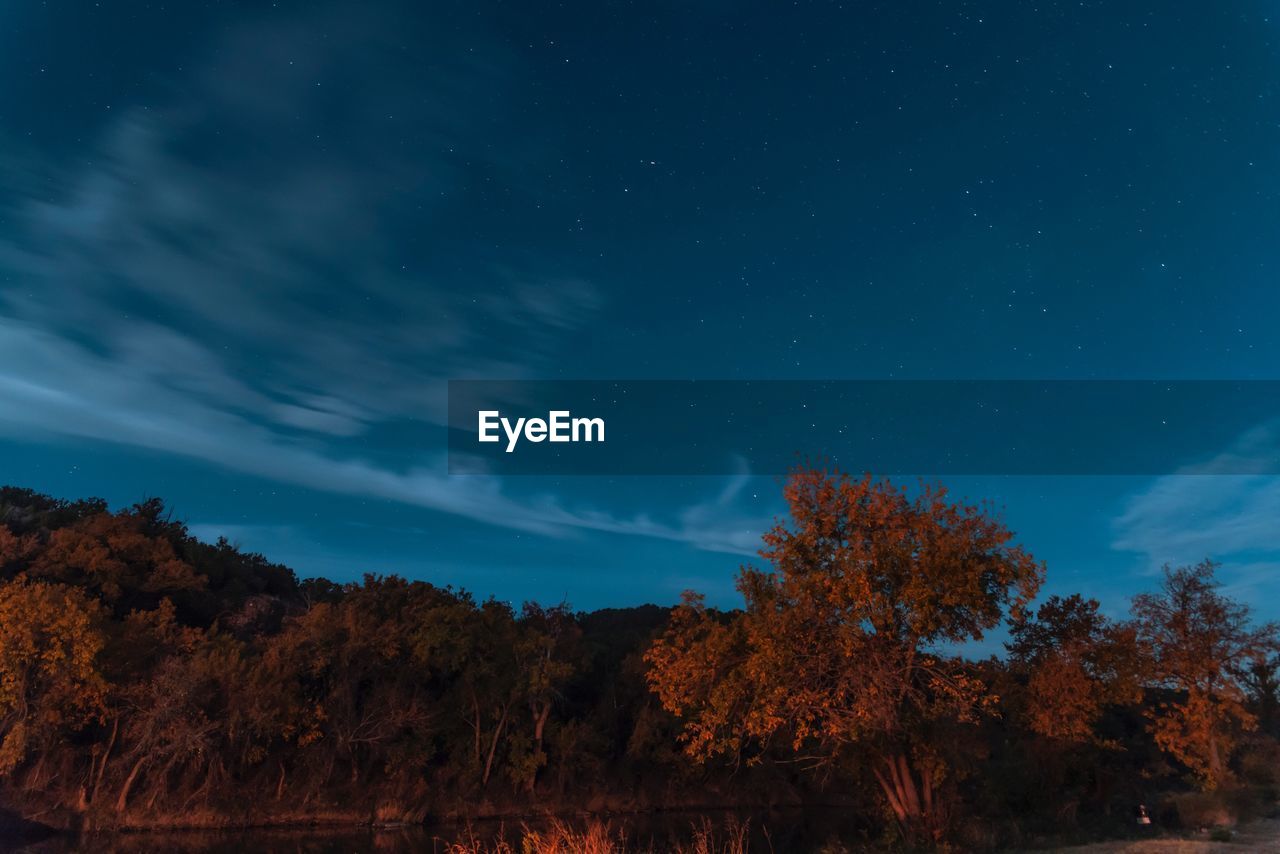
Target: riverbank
x=673, y=831
x=670, y=831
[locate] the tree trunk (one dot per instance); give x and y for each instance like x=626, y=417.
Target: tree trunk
x=493, y=748
x=913, y=804
x=540, y=715
x=106, y=754
x=539, y=724
x=1215, y=762
x=123, y=800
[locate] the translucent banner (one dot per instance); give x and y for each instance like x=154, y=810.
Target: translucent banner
x=664, y=427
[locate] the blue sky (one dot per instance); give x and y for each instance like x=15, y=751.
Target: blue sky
x=242, y=250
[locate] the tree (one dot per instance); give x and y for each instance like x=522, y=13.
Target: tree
x=1201, y=645
x=546, y=652
x=356, y=682
x=1262, y=681
x=489, y=683
x=118, y=558
x=50, y=684
x=834, y=651
x=1077, y=662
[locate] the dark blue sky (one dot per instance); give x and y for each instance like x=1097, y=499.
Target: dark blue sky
x=243, y=246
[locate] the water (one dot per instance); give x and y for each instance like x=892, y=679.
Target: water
x=792, y=830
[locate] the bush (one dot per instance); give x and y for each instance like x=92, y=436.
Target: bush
x=1203, y=809
x=1223, y=808
x=1260, y=762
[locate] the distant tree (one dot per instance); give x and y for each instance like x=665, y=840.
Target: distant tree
x=1201, y=644
x=118, y=558
x=358, y=681
x=1077, y=663
x=16, y=550
x=547, y=653
x=836, y=648
x=1262, y=682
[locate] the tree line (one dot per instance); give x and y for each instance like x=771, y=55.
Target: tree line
x=148, y=678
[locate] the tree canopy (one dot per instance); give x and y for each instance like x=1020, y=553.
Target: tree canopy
x=838, y=643
x=150, y=678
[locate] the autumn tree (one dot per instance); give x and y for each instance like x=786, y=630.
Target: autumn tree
x=50, y=683
x=358, y=683
x=160, y=704
x=1077, y=663
x=1201, y=644
x=837, y=647
x=117, y=558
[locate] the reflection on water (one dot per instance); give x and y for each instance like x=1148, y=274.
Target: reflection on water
x=807, y=830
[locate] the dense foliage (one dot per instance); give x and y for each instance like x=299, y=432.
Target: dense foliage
x=148, y=678
x=834, y=650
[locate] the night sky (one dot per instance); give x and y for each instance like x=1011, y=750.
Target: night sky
x=242, y=248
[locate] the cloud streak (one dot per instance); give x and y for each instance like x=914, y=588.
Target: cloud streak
x=196, y=293
x=1184, y=518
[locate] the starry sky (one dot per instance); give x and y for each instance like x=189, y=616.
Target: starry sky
x=244, y=246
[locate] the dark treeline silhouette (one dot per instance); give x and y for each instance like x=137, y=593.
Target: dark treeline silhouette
x=150, y=679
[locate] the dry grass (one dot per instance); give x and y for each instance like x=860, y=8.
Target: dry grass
x=707, y=839
x=469, y=843
x=601, y=837
x=732, y=837
x=559, y=837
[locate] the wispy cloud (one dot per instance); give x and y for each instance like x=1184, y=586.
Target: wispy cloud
x=1235, y=519
x=228, y=278
x=280, y=276
x=52, y=386
x=724, y=521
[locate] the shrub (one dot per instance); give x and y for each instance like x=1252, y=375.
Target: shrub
x=1202, y=809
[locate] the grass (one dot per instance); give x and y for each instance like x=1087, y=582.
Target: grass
x=598, y=836
x=602, y=837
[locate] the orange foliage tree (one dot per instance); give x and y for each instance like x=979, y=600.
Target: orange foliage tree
x=1201, y=645
x=836, y=649
x=1077, y=663
x=116, y=557
x=50, y=683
